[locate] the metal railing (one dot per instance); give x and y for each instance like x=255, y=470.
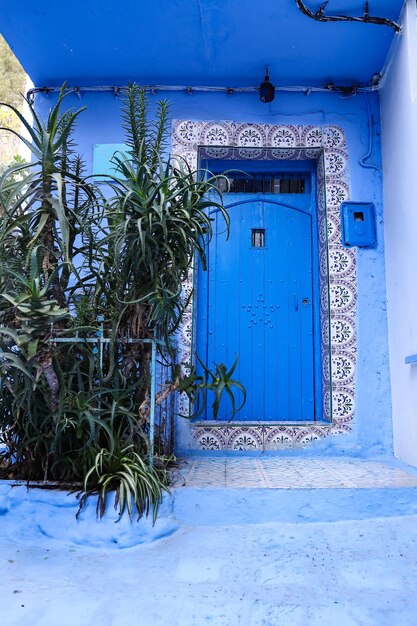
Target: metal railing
x=161, y=415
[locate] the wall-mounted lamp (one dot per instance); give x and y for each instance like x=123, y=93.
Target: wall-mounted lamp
x=266, y=88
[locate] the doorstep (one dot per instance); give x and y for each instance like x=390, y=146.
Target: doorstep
x=233, y=491
x=292, y=473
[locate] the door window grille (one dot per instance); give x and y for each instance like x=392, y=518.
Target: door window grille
x=262, y=182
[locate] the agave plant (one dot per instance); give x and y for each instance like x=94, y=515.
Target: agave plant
x=218, y=381
x=72, y=253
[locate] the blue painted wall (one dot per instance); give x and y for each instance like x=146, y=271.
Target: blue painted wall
x=399, y=141
x=372, y=430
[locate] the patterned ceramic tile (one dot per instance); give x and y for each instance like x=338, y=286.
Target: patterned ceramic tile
x=278, y=438
x=210, y=438
x=327, y=145
x=245, y=438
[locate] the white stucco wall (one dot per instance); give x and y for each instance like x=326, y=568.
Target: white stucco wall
x=399, y=149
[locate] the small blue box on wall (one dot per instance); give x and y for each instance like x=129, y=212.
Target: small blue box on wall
x=358, y=224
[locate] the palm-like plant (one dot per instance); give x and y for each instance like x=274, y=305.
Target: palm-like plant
x=70, y=254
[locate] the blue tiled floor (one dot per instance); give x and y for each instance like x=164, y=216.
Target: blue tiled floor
x=293, y=473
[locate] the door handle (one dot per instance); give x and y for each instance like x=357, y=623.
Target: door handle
x=296, y=302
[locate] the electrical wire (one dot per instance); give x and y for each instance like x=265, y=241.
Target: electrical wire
x=320, y=16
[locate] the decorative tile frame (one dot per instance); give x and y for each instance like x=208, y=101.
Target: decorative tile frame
x=326, y=145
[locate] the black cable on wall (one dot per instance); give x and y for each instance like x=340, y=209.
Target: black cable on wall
x=321, y=16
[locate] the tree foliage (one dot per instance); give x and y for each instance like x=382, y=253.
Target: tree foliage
x=12, y=85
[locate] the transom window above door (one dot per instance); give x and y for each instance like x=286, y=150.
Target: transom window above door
x=263, y=182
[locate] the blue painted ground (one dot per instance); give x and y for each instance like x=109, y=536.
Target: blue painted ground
x=224, y=569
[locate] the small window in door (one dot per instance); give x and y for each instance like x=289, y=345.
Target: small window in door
x=258, y=237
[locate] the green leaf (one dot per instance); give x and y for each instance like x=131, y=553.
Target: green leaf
x=8, y=360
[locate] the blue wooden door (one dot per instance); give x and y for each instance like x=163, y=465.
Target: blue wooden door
x=256, y=301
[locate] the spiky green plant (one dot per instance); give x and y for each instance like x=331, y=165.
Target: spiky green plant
x=130, y=477
x=71, y=253
x=43, y=208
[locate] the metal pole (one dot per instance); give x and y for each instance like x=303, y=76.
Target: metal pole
x=153, y=400
x=100, y=333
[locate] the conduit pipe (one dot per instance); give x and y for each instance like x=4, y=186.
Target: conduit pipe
x=349, y=90
x=363, y=162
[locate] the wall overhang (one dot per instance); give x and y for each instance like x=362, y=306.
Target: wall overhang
x=195, y=42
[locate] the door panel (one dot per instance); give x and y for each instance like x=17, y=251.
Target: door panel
x=257, y=303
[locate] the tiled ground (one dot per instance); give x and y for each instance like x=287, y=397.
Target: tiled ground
x=295, y=473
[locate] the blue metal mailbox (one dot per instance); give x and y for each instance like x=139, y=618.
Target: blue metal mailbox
x=358, y=224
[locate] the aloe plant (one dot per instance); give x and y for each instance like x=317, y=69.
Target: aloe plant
x=72, y=251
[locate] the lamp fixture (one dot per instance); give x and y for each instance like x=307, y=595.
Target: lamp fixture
x=266, y=88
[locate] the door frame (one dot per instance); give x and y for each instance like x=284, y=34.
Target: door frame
x=326, y=145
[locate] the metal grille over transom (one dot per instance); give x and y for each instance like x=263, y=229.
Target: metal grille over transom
x=262, y=182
